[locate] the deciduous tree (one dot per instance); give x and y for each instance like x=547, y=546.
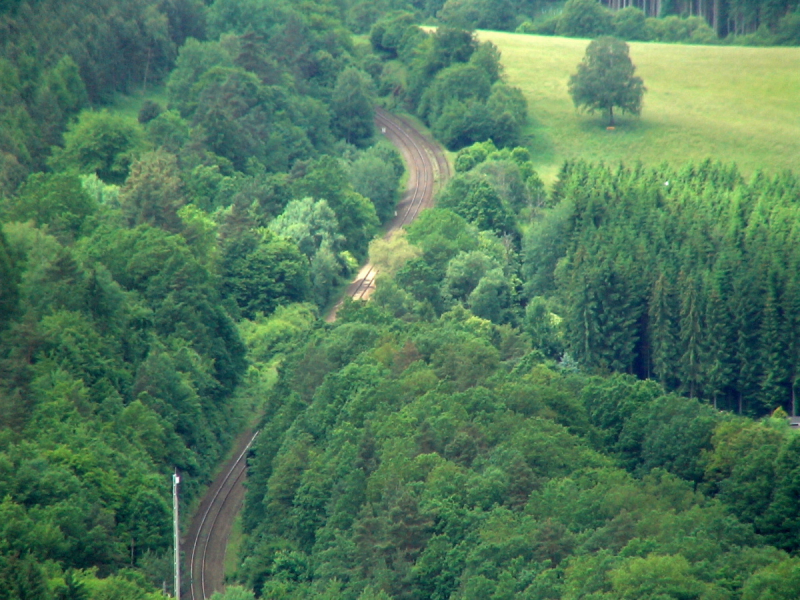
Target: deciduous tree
x=605, y=80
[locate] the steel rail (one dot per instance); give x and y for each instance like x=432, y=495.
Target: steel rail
x=422, y=169
x=421, y=186
x=212, y=523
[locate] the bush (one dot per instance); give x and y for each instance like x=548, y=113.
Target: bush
x=149, y=111
x=676, y=29
x=545, y=27
x=631, y=24
x=584, y=18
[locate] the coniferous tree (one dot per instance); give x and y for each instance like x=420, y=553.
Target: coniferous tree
x=717, y=359
x=662, y=331
x=690, y=336
x=775, y=359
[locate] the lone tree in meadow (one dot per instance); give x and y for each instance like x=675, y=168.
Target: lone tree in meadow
x=605, y=79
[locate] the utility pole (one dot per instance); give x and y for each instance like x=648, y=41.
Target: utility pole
x=176, y=529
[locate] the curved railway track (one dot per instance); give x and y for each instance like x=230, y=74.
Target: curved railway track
x=427, y=168
x=204, y=548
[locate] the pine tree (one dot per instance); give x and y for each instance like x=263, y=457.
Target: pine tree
x=774, y=349
x=662, y=331
x=690, y=336
x=717, y=360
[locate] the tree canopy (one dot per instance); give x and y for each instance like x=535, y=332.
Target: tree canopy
x=605, y=79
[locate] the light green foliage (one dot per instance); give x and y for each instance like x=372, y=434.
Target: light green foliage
x=776, y=582
x=605, y=80
x=100, y=142
x=326, y=179
x=541, y=325
x=657, y=577
x=267, y=337
x=234, y=592
x=313, y=226
x=310, y=224
x=389, y=255
x=102, y=193
x=685, y=120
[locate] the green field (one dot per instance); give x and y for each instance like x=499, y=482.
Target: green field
x=729, y=103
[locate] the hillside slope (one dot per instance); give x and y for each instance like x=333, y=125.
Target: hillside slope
x=734, y=103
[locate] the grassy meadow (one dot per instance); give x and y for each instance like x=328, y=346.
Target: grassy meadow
x=725, y=102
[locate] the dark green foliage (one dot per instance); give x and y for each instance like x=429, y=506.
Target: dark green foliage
x=120, y=358
x=308, y=41
x=584, y=18
x=452, y=81
x=57, y=57
x=375, y=174
x=263, y=272
x=154, y=192
x=423, y=447
x=415, y=464
x=351, y=107
x=605, y=79
x=57, y=201
x=674, y=293
x=9, y=282
x=477, y=201
x=630, y=24
x=459, y=83
x=149, y=111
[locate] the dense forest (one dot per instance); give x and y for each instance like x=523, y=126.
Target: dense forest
x=463, y=434
x=540, y=401
x=133, y=252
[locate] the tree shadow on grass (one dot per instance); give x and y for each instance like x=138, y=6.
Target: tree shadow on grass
x=591, y=124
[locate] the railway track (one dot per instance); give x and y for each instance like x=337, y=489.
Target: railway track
x=428, y=169
x=204, y=547
x=211, y=526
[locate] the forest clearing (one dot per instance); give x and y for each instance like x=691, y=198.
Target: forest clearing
x=734, y=103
